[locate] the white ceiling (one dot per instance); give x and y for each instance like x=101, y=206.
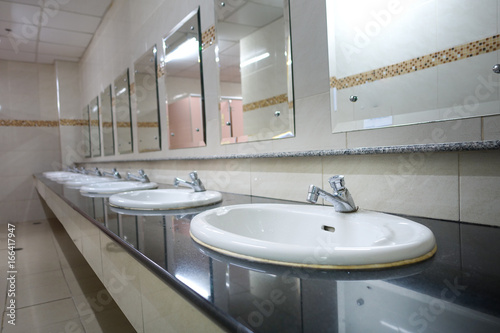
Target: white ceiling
x=42, y=31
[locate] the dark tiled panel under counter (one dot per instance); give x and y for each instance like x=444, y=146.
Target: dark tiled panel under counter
x=455, y=291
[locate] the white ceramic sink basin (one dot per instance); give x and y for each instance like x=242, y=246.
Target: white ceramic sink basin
x=54, y=175
x=78, y=182
x=313, y=236
x=106, y=189
x=164, y=199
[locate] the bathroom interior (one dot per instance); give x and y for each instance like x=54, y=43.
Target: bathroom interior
x=402, y=98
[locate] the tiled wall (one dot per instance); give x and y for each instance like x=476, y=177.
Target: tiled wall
x=440, y=185
x=29, y=136
x=457, y=186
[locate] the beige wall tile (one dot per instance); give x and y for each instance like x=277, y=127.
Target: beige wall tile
x=480, y=187
x=285, y=178
x=414, y=184
x=491, y=128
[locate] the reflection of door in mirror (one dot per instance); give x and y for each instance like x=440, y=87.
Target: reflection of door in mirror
x=108, y=139
x=123, y=114
x=146, y=91
x=231, y=110
x=183, y=84
x=254, y=56
x=95, y=133
x=185, y=123
x=86, y=131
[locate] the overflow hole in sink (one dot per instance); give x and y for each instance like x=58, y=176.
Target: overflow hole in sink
x=328, y=228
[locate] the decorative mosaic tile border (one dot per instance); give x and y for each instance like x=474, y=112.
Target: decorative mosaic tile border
x=160, y=71
x=147, y=124
x=266, y=102
x=208, y=37
x=28, y=123
x=123, y=124
x=482, y=46
x=107, y=124
x=74, y=122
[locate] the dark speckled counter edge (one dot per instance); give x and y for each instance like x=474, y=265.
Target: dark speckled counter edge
x=402, y=149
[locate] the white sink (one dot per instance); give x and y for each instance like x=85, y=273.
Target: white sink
x=78, y=182
x=313, y=236
x=106, y=189
x=54, y=175
x=164, y=199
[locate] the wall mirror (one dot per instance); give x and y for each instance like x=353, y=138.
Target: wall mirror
x=86, y=131
x=380, y=77
x=255, y=70
x=146, y=91
x=184, y=84
x=95, y=133
x=108, y=140
x=123, y=114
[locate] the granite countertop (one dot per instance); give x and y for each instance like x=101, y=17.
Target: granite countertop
x=457, y=290
x=400, y=149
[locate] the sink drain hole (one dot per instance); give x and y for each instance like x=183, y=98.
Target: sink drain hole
x=328, y=228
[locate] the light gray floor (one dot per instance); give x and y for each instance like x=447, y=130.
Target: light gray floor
x=56, y=290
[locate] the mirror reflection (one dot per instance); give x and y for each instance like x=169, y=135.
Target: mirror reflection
x=95, y=134
x=146, y=91
x=123, y=114
x=380, y=77
x=255, y=70
x=183, y=84
x=86, y=131
x=107, y=122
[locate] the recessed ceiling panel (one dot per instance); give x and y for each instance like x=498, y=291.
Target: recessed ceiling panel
x=62, y=28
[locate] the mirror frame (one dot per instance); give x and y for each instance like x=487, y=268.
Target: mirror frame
x=290, y=129
x=95, y=144
x=195, y=13
x=107, y=97
x=119, y=124
x=87, y=147
x=154, y=52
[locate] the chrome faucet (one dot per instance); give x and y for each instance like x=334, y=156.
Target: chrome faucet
x=341, y=198
x=143, y=178
x=114, y=173
x=96, y=172
x=196, y=183
x=82, y=170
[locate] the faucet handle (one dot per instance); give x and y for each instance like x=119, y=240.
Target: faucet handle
x=194, y=176
x=337, y=182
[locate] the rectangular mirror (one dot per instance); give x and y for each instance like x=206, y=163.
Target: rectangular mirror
x=123, y=114
x=108, y=139
x=95, y=134
x=255, y=70
x=86, y=131
x=396, y=63
x=146, y=92
x=184, y=84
